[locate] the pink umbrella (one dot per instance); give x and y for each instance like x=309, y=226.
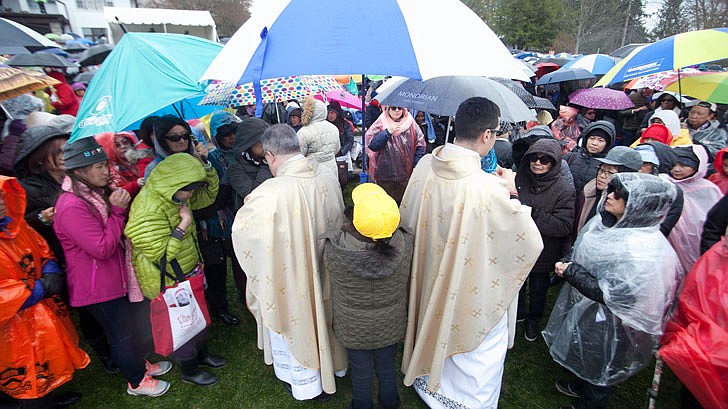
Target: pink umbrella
x=344, y=98
x=601, y=98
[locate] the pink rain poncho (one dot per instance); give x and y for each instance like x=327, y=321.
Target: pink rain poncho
x=565, y=128
x=638, y=274
x=700, y=196
x=394, y=163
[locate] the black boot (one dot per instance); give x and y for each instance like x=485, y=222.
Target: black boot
x=191, y=373
x=205, y=358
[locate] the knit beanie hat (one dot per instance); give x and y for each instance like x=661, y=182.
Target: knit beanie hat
x=658, y=132
x=600, y=133
x=83, y=152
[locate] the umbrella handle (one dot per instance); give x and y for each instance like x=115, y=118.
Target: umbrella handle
x=653, y=390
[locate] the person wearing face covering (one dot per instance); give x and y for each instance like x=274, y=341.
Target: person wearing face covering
x=700, y=195
x=249, y=169
x=621, y=280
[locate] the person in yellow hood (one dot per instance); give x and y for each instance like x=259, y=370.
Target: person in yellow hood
x=40, y=345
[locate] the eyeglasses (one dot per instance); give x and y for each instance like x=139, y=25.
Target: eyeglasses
x=590, y=113
x=395, y=108
x=543, y=159
x=177, y=138
x=606, y=172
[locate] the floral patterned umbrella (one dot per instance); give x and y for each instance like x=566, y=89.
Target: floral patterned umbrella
x=275, y=89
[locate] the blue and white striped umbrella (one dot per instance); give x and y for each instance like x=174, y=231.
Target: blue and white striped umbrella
x=418, y=39
x=597, y=64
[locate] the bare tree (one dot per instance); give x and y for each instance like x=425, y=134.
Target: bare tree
x=704, y=14
x=229, y=15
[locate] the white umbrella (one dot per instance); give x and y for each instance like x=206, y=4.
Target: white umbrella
x=418, y=39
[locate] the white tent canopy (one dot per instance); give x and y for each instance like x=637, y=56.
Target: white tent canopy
x=192, y=22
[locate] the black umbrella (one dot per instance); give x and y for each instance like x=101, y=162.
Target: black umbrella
x=518, y=89
x=565, y=74
x=19, y=39
x=95, y=55
x=84, y=77
x=39, y=59
x=75, y=47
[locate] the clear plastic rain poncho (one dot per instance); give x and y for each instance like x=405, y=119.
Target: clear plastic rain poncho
x=638, y=273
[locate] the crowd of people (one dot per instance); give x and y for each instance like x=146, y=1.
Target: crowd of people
x=451, y=243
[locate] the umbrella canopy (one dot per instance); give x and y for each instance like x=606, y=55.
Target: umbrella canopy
x=403, y=37
x=39, y=59
x=675, y=52
x=544, y=68
x=57, y=51
x=146, y=73
x=527, y=69
x=443, y=95
x=15, y=82
x=551, y=60
x=518, y=89
x=597, y=64
x=659, y=80
x=274, y=89
x=543, y=103
x=75, y=47
x=565, y=74
x=84, y=77
x=344, y=98
x=601, y=98
x=95, y=55
x=16, y=38
x=711, y=87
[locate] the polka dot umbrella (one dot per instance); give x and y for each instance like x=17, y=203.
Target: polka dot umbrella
x=601, y=98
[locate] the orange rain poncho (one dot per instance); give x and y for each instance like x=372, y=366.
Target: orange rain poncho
x=40, y=345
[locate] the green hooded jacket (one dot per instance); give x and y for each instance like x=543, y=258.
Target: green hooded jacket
x=154, y=215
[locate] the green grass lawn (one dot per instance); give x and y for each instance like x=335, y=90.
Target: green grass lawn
x=246, y=382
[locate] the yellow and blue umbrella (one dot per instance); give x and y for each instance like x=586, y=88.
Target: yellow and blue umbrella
x=711, y=87
x=675, y=52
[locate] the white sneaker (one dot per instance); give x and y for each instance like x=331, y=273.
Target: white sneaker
x=160, y=368
x=149, y=387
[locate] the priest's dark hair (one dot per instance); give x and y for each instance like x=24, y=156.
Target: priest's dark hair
x=474, y=116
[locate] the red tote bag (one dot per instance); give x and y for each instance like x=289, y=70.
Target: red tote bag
x=179, y=312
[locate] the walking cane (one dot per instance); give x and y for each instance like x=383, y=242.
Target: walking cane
x=655, y=387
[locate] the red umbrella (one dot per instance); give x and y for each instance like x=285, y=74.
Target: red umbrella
x=545, y=68
x=601, y=98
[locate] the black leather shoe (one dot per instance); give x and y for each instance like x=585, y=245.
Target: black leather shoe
x=200, y=378
x=64, y=400
x=213, y=361
x=228, y=318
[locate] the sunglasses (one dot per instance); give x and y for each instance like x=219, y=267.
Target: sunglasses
x=619, y=192
x=543, y=159
x=395, y=108
x=177, y=138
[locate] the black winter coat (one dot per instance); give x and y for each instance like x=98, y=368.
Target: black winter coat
x=582, y=164
x=715, y=224
x=41, y=192
x=552, y=200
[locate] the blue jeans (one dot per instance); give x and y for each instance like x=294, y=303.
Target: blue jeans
x=361, y=377
x=120, y=325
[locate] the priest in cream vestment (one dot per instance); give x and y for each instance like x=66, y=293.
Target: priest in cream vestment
x=277, y=236
x=474, y=246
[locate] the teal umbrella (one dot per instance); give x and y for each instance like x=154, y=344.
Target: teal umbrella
x=146, y=74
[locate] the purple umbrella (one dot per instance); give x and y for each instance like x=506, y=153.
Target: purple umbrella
x=601, y=98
